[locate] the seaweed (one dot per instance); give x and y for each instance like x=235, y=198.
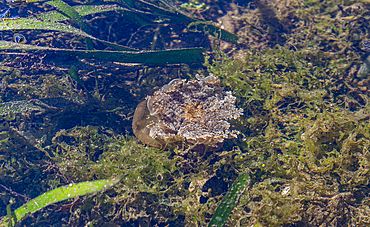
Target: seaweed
x=57, y=195
x=304, y=135
x=229, y=201
x=48, y=21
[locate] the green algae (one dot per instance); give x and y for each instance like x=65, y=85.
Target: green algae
x=305, y=136
x=301, y=134
x=145, y=170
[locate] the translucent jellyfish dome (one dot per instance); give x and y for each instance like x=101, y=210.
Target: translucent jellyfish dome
x=194, y=113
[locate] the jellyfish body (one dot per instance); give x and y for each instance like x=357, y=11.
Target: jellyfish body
x=194, y=113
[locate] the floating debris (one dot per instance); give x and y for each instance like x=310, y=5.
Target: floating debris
x=365, y=67
x=5, y=14
x=19, y=38
x=366, y=45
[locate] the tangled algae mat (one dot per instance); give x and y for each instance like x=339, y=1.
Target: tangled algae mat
x=304, y=138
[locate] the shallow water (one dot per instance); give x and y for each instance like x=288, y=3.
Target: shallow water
x=297, y=68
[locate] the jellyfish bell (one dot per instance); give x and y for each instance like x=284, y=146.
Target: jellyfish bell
x=142, y=123
x=191, y=115
x=144, y=120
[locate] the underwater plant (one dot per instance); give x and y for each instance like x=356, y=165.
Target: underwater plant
x=305, y=125
x=230, y=200
x=54, y=196
x=138, y=11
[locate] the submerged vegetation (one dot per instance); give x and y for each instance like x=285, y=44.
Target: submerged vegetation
x=54, y=196
x=302, y=156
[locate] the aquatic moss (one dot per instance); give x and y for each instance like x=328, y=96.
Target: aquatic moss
x=305, y=133
x=301, y=135
x=303, y=153
x=155, y=183
x=149, y=173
